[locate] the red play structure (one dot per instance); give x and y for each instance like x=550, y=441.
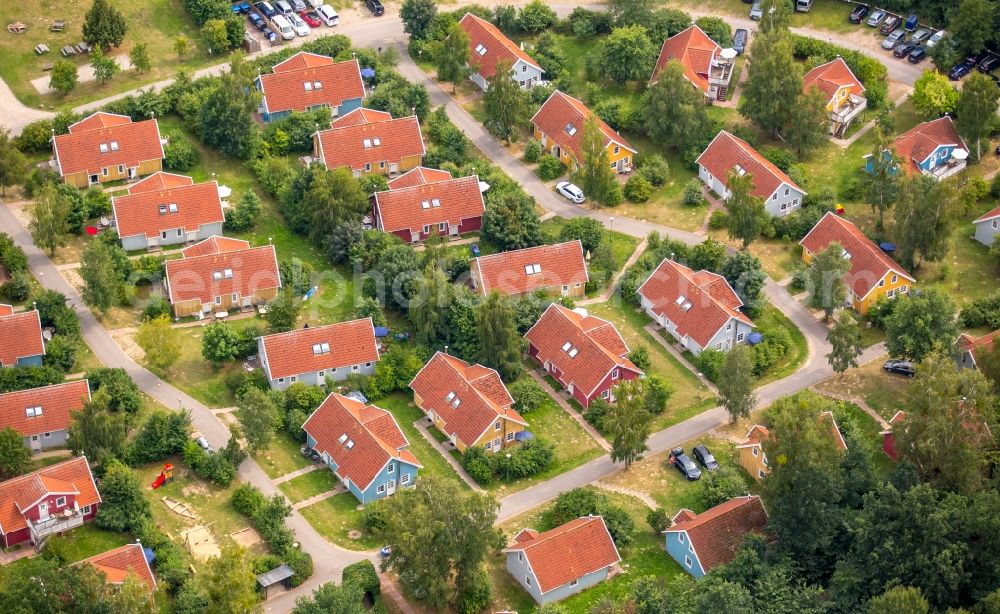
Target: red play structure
x=166, y=476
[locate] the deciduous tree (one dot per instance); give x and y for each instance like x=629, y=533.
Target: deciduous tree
x=628, y=421
x=12, y=163
x=219, y=344
x=427, y=306
x=899, y=599
x=230, y=583
x=105, y=68
x=505, y=104
x=626, y=55
x=972, y=25
x=933, y=95
x=224, y=118
x=676, y=111
x=329, y=598
x=977, y=109
x=632, y=12
x=827, y=288
x=924, y=219
x=511, y=222
x=417, y=16
x=283, y=311
x=452, y=56
x=259, y=418
x=49, y=223
x=96, y=432
x=736, y=383
x=776, y=16
x=102, y=282
x=747, y=216
x=845, y=343
x=63, y=77
x=773, y=84
x=182, y=46
x=123, y=506
x=882, y=181
x=160, y=342
x=807, y=124
x=596, y=177
x=103, y=25
x=499, y=341
x=15, y=457
x=138, y=56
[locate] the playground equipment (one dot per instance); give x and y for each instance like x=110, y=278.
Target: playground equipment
x=179, y=508
x=166, y=476
x=200, y=542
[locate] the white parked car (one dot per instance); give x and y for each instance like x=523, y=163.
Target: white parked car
x=283, y=28
x=570, y=191
x=283, y=6
x=301, y=28
x=327, y=14
x=934, y=39
x=315, y=3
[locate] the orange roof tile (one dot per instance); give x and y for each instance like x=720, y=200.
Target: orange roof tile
x=300, y=89
x=160, y=180
x=57, y=403
x=141, y=214
x=418, y=176
x=216, y=244
x=450, y=201
x=23, y=492
x=302, y=60
x=562, y=114
x=20, y=337
x=869, y=264
x=757, y=434
x=351, y=343
x=507, y=272
x=716, y=534
x=360, y=116
x=118, y=563
x=245, y=272
x=496, y=46
x=727, y=151
x=694, y=50
x=567, y=552
x=101, y=119
x=918, y=143
x=6, y=310
x=124, y=143
x=387, y=141
x=832, y=76
x=979, y=346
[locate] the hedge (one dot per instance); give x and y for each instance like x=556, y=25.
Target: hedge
x=872, y=73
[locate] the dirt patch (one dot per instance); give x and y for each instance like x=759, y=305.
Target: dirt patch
x=201, y=543
x=196, y=489
x=125, y=339
x=354, y=534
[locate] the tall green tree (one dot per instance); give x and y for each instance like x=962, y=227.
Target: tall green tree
x=102, y=281
x=499, y=341
x=103, y=25
x=827, y=288
x=774, y=82
x=511, y=222
x=736, y=383
x=505, y=104
x=46, y=585
x=132, y=597
x=283, y=311
x=633, y=12
x=12, y=162
x=595, y=175
x=225, y=118
x=63, y=77
x=977, y=109
x=627, y=422
x=259, y=418
x=807, y=124
x=15, y=457
x=924, y=217
x=677, y=115
x=919, y=322
x=49, y=223
x=899, y=599
x=329, y=598
x=427, y=307
x=230, y=583
x=845, y=343
x=626, y=55
x=160, y=342
x=776, y=17
x=105, y=68
x=417, y=16
x=882, y=182
x=972, y=25
x=138, y=56
x=747, y=216
x=451, y=56
x=933, y=95
x=123, y=505
x=96, y=432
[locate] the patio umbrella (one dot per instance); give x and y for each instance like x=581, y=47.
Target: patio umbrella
x=225, y=192
x=367, y=73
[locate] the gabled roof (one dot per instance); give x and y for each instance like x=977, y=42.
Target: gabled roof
x=716, y=534
x=562, y=114
x=57, y=402
x=160, y=180
x=107, y=141
x=978, y=346
x=117, y=564
x=421, y=175
x=992, y=214
x=755, y=436
x=215, y=244
x=567, y=552
x=699, y=303
x=185, y=206
x=411, y=208
x=694, y=50
x=918, y=143
x=347, y=344
x=727, y=152
x=598, y=347
x=827, y=416
x=488, y=45
x=353, y=146
x=361, y=439
x=360, y=116
x=20, y=337
x=22, y=493
x=832, y=76
x=246, y=272
x=869, y=264
x=298, y=88
x=468, y=398
x=551, y=266
x=301, y=61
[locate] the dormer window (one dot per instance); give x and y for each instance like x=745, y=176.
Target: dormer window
x=228, y=273
x=33, y=412
x=114, y=145
x=481, y=49
x=570, y=129
x=308, y=86
x=104, y=148
x=217, y=275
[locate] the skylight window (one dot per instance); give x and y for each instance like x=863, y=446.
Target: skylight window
x=451, y=395
x=163, y=209
x=846, y=255
x=216, y=275
x=104, y=148
x=573, y=352
x=321, y=348
x=570, y=129
x=686, y=306
x=173, y=207
x=566, y=346
x=308, y=86
x=342, y=438
x=680, y=300
x=367, y=143
x=114, y=145
x=456, y=402
x=536, y=268
x=481, y=49
x=228, y=273
x=740, y=170
x=317, y=85
x=349, y=444
x=33, y=412
x=435, y=202
x=376, y=141
x=425, y=204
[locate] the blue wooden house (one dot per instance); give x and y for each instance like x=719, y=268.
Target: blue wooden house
x=700, y=542
x=21, y=343
x=932, y=148
x=363, y=446
x=308, y=81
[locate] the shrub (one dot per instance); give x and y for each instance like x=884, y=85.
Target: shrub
x=718, y=220
x=693, y=195
x=528, y=395
x=215, y=467
x=301, y=563
x=722, y=485
x=982, y=313
x=532, y=151
x=638, y=189
x=769, y=352
x=658, y=520
x=596, y=412
x=17, y=288
x=640, y=357
x=995, y=186
x=248, y=500
x=475, y=591
x=180, y=154
x=709, y=362
x=243, y=216
x=477, y=464
x=549, y=168
x=375, y=517
x=655, y=169
x=363, y=575
x=161, y=435
x=35, y=137
x=119, y=386
x=800, y=279
x=530, y=458
x=782, y=158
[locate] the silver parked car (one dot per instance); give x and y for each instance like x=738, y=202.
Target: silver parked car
x=935, y=39
x=920, y=36
x=876, y=18
x=893, y=39
x=756, y=12
x=570, y=191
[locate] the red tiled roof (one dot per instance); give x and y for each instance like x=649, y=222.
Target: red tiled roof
x=919, y=142
x=6, y=310
x=412, y=208
x=20, y=337
x=22, y=492
x=418, y=176
x=139, y=214
x=498, y=47
x=727, y=151
x=757, y=434
x=160, y=180
x=79, y=150
x=869, y=264
x=205, y=277
x=375, y=435
x=832, y=76
x=285, y=89
x=560, y=111
x=834, y=429
x=481, y=394
x=599, y=346
x=561, y=264
x=216, y=244
x=302, y=60
x=101, y=119
x=694, y=50
x=118, y=563
x=567, y=552
x=396, y=138
x=989, y=215
x=360, y=116
x=57, y=402
x=351, y=343
x=713, y=303
x=716, y=534
x=977, y=345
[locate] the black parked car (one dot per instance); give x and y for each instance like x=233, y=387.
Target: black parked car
x=740, y=41
x=684, y=464
x=858, y=14
x=902, y=367
x=375, y=6
x=918, y=55
x=705, y=457
x=989, y=64
x=903, y=50
x=959, y=70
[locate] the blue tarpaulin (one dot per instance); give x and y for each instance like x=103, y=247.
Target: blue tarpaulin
x=523, y=436
x=381, y=331
x=474, y=248
x=149, y=554
x=755, y=338
x=887, y=247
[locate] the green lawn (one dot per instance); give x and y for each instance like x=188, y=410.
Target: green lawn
x=771, y=317
x=968, y=272
x=86, y=541
x=281, y=457
x=309, y=485
x=622, y=245
x=336, y=518
x=883, y=392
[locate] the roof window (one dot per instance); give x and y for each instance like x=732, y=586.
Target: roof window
x=451, y=395
x=342, y=438
x=570, y=129
x=308, y=86
x=33, y=412
x=376, y=141
x=349, y=444
x=163, y=209
x=566, y=346
x=104, y=148
x=425, y=204
x=846, y=255
x=456, y=402
x=532, y=269
x=216, y=275
x=573, y=352
x=740, y=170
x=680, y=300
x=435, y=202
x=114, y=145
x=321, y=348
x=481, y=49
x=228, y=273
x=172, y=207
x=317, y=85
x=686, y=306
x=367, y=143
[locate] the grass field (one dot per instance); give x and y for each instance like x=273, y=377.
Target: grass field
x=281, y=457
x=771, y=317
x=883, y=392
x=336, y=518
x=308, y=485
x=87, y=540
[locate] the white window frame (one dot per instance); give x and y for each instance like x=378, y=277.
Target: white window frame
x=680, y=537
x=218, y=300
x=442, y=226
x=606, y=394
x=61, y=501
x=520, y=557
x=391, y=468
x=496, y=426
x=996, y=223
x=368, y=364
x=488, y=445
x=47, y=435
x=753, y=451
x=574, y=582
x=281, y=380
x=404, y=479
x=527, y=580
x=121, y=169
x=104, y=171
x=761, y=473
x=321, y=374
x=688, y=562
x=894, y=278
x=427, y=229
x=85, y=510
x=615, y=373
x=510, y=436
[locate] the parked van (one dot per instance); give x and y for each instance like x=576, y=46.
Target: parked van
x=803, y=6
x=283, y=28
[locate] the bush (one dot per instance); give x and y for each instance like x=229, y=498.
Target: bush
x=477, y=464
x=375, y=517
x=782, y=158
x=693, y=195
x=718, y=220
x=772, y=350
x=655, y=169
x=532, y=151
x=800, y=279
x=982, y=313
x=162, y=434
x=119, y=386
x=475, y=591
x=180, y=154
x=301, y=563
x=36, y=137
x=549, y=168
x=722, y=485
x=157, y=307
x=709, y=362
x=596, y=412
x=638, y=189
x=248, y=500
x=363, y=575
x=995, y=186
x=528, y=395
x=215, y=467
x=243, y=216
x=17, y=288
x=60, y=352
x=640, y=357
x=530, y=458
x=658, y=520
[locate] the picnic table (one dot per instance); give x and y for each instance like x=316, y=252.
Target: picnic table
x=57, y=26
x=41, y=48
x=68, y=50
x=18, y=27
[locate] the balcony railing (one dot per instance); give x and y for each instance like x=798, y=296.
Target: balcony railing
x=849, y=109
x=946, y=169
x=54, y=524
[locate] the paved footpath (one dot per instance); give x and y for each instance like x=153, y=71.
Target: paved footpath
x=459, y=469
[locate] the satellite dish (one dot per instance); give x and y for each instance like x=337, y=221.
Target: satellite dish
x=728, y=54
x=960, y=154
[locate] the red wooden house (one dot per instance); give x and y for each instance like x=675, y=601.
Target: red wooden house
x=443, y=208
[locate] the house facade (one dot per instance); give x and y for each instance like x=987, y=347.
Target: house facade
x=987, y=227
x=439, y=209
x=42, y=415
x=873, y=273
x=214, y=282
x=584, y=353
x=55, y=499
x=120, y=563
x=701, y=542
x=308, y=81
x=751, y=453
x=161, y=211
x=969, y=349
x=488, y=45
x=932, y=148
x=363, y=446
x=698, y=308
x=706, y=65
x=558, y=269
x=370, y=142
x=843, y=92
x=558, y=126
x=107, y=147
x=21, y=342
x=312, y=354
x=563, y=561
x=467, y=403
x=727, y=153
